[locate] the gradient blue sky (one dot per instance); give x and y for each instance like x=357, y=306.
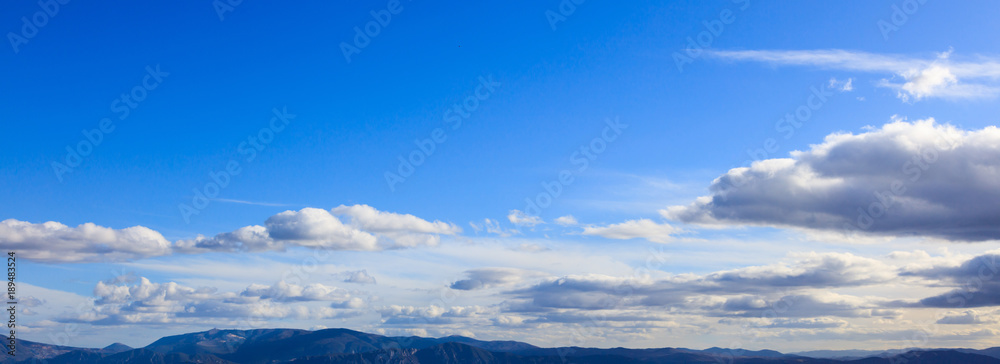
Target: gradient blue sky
x=557, y=87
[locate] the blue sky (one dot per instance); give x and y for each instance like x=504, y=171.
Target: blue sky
x=552, y=89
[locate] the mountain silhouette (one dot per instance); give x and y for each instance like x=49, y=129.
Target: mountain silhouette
x=354, y=347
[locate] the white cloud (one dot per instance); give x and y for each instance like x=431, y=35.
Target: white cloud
x=285, y=292
x=369, y=219
x=518, y=217
x=359, y=277
x=363, y=228
x=52, y=242
x=483, y=278
x=939, y=77
x=359, y=227
x=318, y=228
x=968, y=317
x=145, y=302
x=493, y=227
x=920, y=178
x=742, y=292
x=642, y=228
x=567, y=220
x=843, y=86
x=421, y=317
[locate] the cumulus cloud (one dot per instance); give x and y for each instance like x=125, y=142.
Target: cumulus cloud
x=939, y=76
x=976, y=282
x=350, y=303
x=731, y=292
x=518, y=217
x=642, y=228
x=967, y=317
x=810, y=305
x=492, y=277
x=396, y=230
x=810, y=270
x=411, y=316
x=359, y=277
x=567, y=220
x=52, y=242
x=358, y=227
x=284, y=292
x=903, y=179
x=30, y=301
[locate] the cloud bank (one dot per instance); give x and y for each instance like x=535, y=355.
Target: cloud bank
x=903, y=179
x=357, y=227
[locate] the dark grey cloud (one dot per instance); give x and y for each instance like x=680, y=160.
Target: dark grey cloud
x=968, y=317
x=976, y=283
x=806, y=306
x=747, y=288
x=904, y=179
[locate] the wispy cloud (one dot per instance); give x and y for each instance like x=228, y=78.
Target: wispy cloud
x=518, y=217
x=935, y=77
x=255, y=203
x=642, y=228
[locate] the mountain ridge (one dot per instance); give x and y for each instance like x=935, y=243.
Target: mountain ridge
x=338, y=345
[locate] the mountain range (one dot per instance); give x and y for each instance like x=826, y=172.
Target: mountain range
x=354, y=347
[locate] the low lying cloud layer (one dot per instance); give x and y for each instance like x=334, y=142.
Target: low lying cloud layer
x=358, y=227
x=806, y=295
x=733, y=291
x=144, y=302
x=903, y=179
x=976, y=282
